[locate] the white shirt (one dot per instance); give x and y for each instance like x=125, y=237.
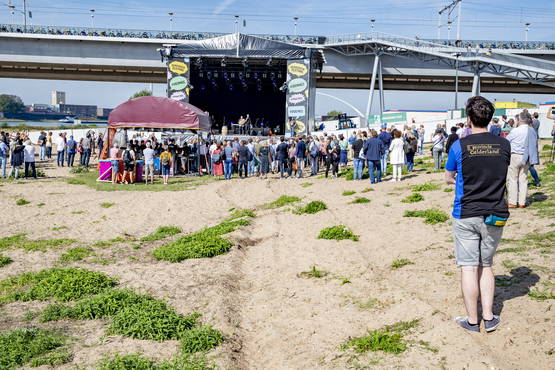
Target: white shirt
x=460, y=132
x=518, y=138
x=60, y=143
x=29, y=153
x=149, y=155
x=212, y=148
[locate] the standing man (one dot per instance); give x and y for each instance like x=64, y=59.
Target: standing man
x=495, y=129
x=282, y=153
x=60, y=147
x=478, y=165
x=385, y=138
x=524, y=152
x=148, y=154
x=301, y=155
x=71, y=146
x=373, y=151
x=42, y=146
x=4, y=150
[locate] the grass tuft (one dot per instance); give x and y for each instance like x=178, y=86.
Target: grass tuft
x=282, y=201
x=306, y=184
x=5, y=260
x=541, y=295
x=201, y=339
x=360, y=200
x=367, y=190
x=22, y=202
x=106, y=204
x=311, y=208
x=448, y=190
x=76, y=254
x=313, y=273
x=31, y=345
x=140, y=362
x=348, y=192
x=338, y=232
x=432, y=216
x=413, y=198
x=398, y=263
x=161, y=233
x=425, y=187
x=240, y=213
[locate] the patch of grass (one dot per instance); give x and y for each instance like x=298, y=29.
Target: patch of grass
x=240, y=213
x=348, y=192
x=413, y=198
x=398, y=263
x=74, y=181
x=311, y=208
x=431, y=216
x=313, y=273
x=20, y=241
x=541, y=295
x=63, y=284
x=79, y=169
x=360, y=200
x=9, y=241
x=57, y=357
x=32, y=345
x=201, y=244
x=140, y=362
x=76, y=254
x=161, y=233
x=58, y=228
x=106, y=204
x=345, y=281
x=511, y=250
x=306, y=184
x=366, y=190
x=402, y=326
x=338, y=232
x=425, y=187
x=22, y=202
x=508, y=264
x=377, y=340
x=4, y=261
x=77, y=212
x=370, y=303
x=201, y=339
x=41, y=204
x=448, y=190
x=282, y=201
x=427, y=346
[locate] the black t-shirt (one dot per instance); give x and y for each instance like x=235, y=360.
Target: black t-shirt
x=282, y=151
x=243, y=152
x=357, y=146
x=481, y=162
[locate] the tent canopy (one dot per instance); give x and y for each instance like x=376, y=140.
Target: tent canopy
x=238, y=45
x=158, y=112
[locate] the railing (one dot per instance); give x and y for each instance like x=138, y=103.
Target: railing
x=374, y=36
x=144, y=34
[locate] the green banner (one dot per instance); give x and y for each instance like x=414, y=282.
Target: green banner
x=388, y=118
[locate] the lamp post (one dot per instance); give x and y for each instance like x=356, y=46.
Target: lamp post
x=527, y=25
x=92, y=17
x=171, y=20
x=12, y=12
x=372, y=22
x=295, y=19
x=236, y=23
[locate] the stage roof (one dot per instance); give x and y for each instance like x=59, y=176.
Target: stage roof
x=238, y=45
x=158, y=112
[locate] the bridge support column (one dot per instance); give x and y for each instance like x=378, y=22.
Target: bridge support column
x=372, y=86
x=476, y=83
x=382, y=100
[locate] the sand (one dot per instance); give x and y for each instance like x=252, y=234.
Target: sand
x=271, y=317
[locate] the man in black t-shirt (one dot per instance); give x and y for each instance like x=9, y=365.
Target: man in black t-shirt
x=478, y=165
x=282, y=155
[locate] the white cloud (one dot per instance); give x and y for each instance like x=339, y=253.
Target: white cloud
x=223, y=6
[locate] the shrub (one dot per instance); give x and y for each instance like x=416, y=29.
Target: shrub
x=21, y=346
x=360, y=200
x=283, y=200
x=161, y=233
x=432, y=216
x=106, y=204
x=339, y=232
x=63, y=284
x=426, y=187
x=5, y=260
x=76, y=254
x=22, y=202
x=348, y=192
x=313, y=273
x=398, y=263
x=201, y=339
x=311, y=208
x=413, y=198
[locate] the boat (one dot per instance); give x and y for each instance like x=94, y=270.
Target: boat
x=68, y=119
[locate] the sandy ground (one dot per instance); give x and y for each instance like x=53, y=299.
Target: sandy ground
x=271, y=317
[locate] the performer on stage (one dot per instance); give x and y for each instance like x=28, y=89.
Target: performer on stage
x=248, y=123
x=241, y=124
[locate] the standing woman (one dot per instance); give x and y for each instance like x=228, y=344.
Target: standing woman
x=437, y=149
x=17, y=157
x=49, y=146
x=343, y=146
x=217, y=163
x=328, y=156
x=292, y=160
x=397, y=155
x=412, y=146
x=265, y=158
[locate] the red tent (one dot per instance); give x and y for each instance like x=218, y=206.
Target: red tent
x=158, y=112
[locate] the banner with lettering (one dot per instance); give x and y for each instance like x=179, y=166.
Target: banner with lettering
x=179, y=85
x=299, y=100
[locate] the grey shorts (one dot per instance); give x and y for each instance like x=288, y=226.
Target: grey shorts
x=149, y=169
x=475, y=242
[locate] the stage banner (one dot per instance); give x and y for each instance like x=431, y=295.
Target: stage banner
x=299, y=107
x=179, y=85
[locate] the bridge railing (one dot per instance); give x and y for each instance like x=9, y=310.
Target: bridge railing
x=145, y=34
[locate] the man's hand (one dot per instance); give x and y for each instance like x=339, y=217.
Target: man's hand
x=450, y=177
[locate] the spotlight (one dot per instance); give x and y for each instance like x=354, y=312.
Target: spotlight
x=224, y=62
x=198, y=61
x=283, y=87
x=272, y=76
x=269, y=62
x=245, y=62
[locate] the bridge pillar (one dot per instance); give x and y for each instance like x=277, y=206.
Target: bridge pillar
x=372, y=86
x=382, y=100
x=476, y=83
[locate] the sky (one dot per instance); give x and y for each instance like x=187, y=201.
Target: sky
x=493, y=20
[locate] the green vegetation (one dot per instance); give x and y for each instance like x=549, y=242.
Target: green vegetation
x=20, y=241
x=76, y=254
x=509, y=265
x=139, y=362
x=413, y=198
x=306, y=184
x=5, y=260
x=63, y=284
x=541, y=295
x=370, y=303
x=314, y=273
x=58, y=228
x=161, y=233
x=77, y=212
x=360, y=200
x=240, y=213
x=204, y=243
x=448, y=190
x=311, y=208
x=201, y=339
x=511, y=250
x=106, y=204
x=338, y=232
x=41, y=204
x=31, y=345
x=143, y=92
x=425, y=187
x=431, y=216
x=22, y=202
x=79, y=169
x=367, y=190
x=398, y=263
x=348, y=192
x=282, y=201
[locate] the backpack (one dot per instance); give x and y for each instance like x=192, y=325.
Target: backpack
x=127, y=158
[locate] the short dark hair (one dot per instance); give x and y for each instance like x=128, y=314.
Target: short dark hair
x=479, y=110
x=454, y=129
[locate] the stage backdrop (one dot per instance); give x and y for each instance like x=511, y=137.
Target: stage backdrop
x=301, y=91
x=179, y=85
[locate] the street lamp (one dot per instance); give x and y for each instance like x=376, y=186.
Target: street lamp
x=92, y=17
x=526, y=31
x=295, y=19
x=372, y=21
x=236, y=23
x=12, y=12
x=171, y=20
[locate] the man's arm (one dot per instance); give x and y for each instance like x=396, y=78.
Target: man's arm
x=450, y=177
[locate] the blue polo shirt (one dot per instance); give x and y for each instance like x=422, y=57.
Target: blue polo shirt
x=481, y=162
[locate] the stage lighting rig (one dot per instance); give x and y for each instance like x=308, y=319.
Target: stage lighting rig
x=269, y=62
x=284, y=87
x=245, y=62
x=224, y=62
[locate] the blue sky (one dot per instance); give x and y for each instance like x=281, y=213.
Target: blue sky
x=494, y=19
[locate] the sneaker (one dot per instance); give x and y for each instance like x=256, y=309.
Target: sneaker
x=463, y=322
x=491, y=325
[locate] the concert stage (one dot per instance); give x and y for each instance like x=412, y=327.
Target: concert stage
x=235, y=75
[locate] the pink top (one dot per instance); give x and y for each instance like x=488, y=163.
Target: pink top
x=114, y=153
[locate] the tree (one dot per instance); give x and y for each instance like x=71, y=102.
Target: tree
x=11, y=104
x=332, y=115
x=143, y=92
